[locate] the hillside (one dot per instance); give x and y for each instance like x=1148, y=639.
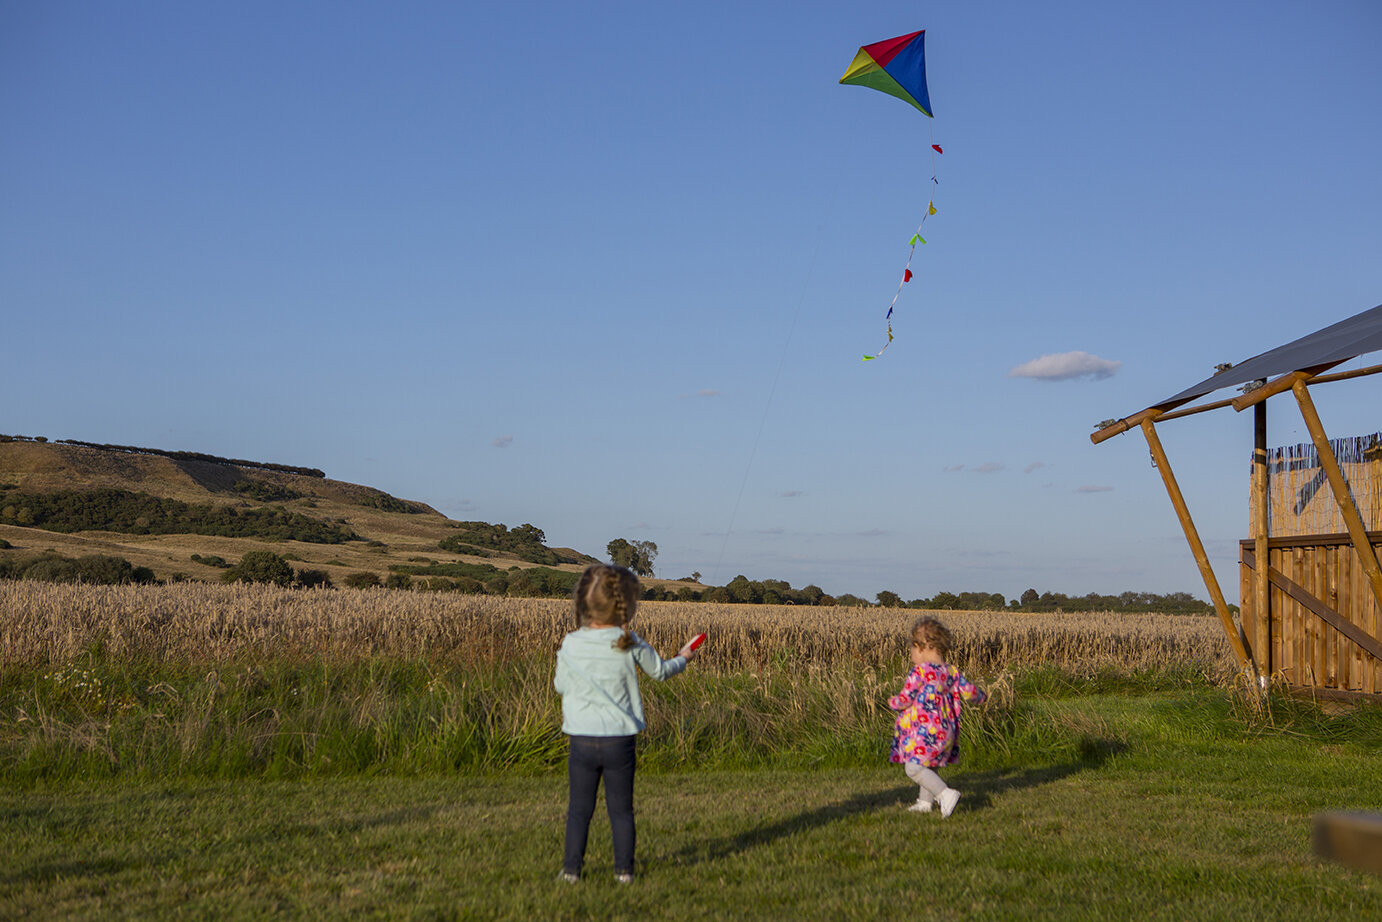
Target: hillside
x=155, y=509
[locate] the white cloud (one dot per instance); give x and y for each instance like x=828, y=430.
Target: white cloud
x=988, y=467
x=504, y=441
x=1094, y=488
x=954, y=467
x=1034, y=466
x=1065, y=366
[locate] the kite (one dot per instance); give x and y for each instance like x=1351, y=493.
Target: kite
x=897, y=66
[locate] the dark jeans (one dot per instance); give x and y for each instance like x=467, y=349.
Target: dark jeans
x=614, y=758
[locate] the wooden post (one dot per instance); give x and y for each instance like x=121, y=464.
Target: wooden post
x=1354, y=839
x=1343, y=496
x=1192, y=536
x=1261, y=489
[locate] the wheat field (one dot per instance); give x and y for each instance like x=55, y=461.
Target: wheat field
x=55, y=624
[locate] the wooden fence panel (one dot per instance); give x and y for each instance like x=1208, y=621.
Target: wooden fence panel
x=1302, y=645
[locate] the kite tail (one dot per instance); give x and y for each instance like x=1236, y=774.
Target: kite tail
x=912, y=251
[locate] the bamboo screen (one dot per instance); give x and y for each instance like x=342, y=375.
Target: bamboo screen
x=1299, y=497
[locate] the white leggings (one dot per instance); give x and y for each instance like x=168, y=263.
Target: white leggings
x=930, y=782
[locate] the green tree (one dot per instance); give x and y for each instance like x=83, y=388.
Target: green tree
x=638, y=556
x=887, y=599
x=620, y=553
x=647, y=553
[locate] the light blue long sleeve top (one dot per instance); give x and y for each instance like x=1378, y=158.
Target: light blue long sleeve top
x=598, y=682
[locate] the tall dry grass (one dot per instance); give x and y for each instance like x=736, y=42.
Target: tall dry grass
x=53, y=624
x=210, y=679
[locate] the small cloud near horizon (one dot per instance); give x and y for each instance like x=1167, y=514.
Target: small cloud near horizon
x=1094, y=488
x=504, y=441
x=988, y=467
x=790, y=493
x=954, y=467
x=457, y=505
x=1034, y=466
x=1066, y=366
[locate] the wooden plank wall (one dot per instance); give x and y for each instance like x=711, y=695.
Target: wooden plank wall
x=1302, y=648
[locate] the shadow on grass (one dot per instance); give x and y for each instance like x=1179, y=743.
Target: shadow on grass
x=979, y=789
x=47, y=872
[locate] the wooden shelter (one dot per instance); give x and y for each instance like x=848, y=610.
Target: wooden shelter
x=1311, y=603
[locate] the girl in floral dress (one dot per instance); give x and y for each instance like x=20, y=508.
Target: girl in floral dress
x=926, y=734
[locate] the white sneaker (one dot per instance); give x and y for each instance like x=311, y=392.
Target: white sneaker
x=923, y=805
x=948, y=799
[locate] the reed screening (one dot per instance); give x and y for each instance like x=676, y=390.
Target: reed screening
x=236, y=680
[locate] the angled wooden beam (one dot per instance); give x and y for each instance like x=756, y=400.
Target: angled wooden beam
x=1192, y=536
x=1343, y=496
x=1123, y=425
x=1191, y=411
x=1278, y=386
x=1345, y=375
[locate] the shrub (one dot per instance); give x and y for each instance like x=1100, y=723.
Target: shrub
x=525, y=542
x=261, y=567
x=314, y=579
x=398, y=581
x=361, y=579
x=94, y=569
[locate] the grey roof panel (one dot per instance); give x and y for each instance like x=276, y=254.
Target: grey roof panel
x=1358, y=335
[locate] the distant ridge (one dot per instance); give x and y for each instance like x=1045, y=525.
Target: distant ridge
x=176, y=455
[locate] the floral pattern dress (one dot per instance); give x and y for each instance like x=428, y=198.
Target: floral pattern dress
x=928, y=728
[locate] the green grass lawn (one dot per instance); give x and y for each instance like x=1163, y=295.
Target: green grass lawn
x=1175, y=810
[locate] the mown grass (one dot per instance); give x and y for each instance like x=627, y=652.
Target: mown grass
x=1175, y=810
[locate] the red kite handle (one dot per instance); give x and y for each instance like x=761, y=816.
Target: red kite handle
x=697, y=640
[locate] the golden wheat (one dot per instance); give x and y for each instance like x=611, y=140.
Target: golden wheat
x=43, y=623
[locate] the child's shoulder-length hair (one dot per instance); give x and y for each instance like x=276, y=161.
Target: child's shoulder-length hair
x=928, y=632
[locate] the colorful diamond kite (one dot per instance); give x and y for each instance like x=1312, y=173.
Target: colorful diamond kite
x=896, y=66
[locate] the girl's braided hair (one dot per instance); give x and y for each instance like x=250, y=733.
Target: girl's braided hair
x=607, y=594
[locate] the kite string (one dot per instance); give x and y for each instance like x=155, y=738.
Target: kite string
x=916, y=239
x=811, y=262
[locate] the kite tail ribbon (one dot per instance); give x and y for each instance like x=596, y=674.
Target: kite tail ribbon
x=911, y=252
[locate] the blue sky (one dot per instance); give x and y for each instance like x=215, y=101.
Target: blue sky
x=609, y=268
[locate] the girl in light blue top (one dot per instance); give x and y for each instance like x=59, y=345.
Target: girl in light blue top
x=602, y=710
